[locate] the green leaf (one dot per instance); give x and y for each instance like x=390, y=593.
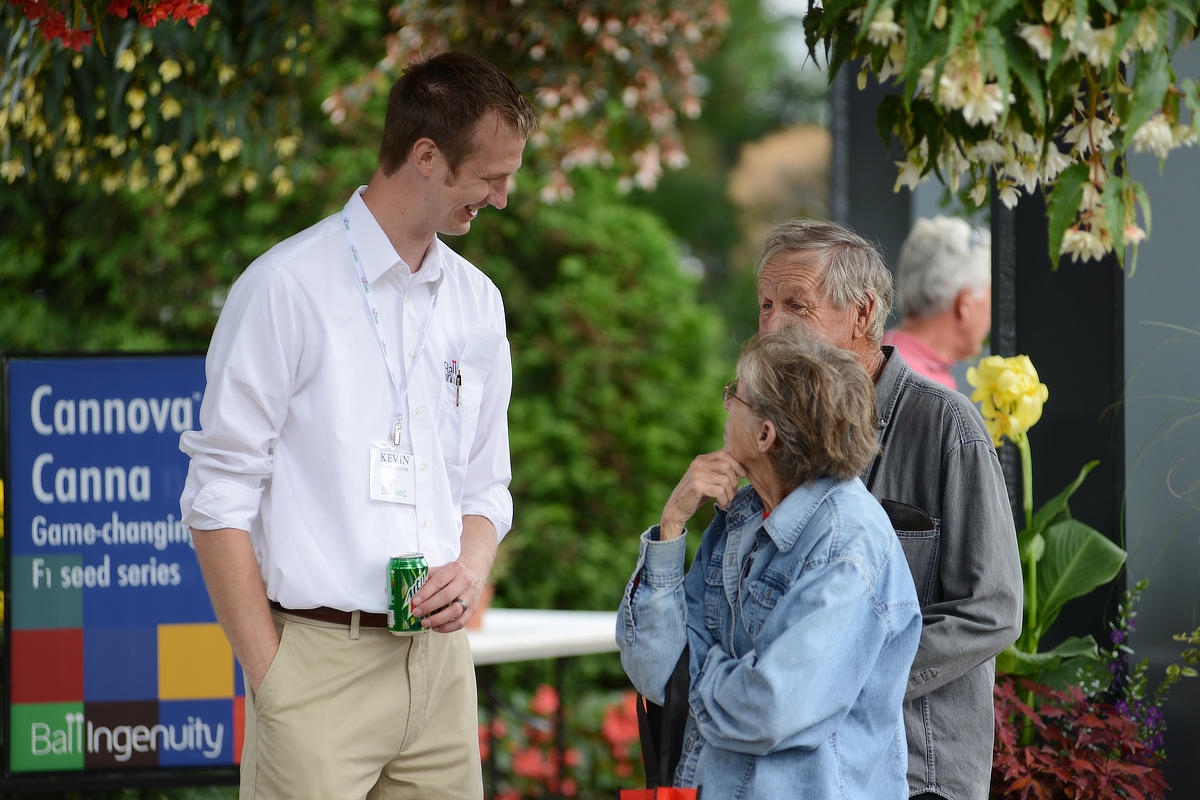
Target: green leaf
x=1114, y=214
x=1064, y=205
x=1078, y=559
x=1186, y=9
x=885, y=118
x=1143, y=203
x=1152, y=78
x=1014, y=661
x=1022, y=61
x=1055, y=509
x=994, y=51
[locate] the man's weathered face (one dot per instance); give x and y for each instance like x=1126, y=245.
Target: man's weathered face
x=790, y=291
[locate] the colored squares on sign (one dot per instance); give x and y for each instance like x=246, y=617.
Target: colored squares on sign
x=47, y=737
x=119, y=735
x=47, y=666
x=120, y=664
x=194, y=661
x=47, y=591
x=200, y=733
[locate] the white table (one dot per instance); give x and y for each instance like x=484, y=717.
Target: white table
x=518, y=634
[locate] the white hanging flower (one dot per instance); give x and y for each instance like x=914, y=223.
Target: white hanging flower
x=1096, y=45
x=985, y=104
x=1054, y=163
x=910, y=174
x=882, y=28
x=1183, y=135
x=1008, y=193
x=1133, y=234
x=1155, y=135
x=1090, y=134
x=1145, y=35
x=979, y=191
x=989, y=151
x=950, y=90
x=1021, y=170
x=1082, y=245
x=1038, y=37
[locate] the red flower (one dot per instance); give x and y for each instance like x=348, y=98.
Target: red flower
x=120, y=8
x=485, y=743
x=545, y=701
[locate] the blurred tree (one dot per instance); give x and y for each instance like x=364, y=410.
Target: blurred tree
x=617, y=370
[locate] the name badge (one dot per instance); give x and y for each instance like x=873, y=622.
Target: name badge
x=393, y=478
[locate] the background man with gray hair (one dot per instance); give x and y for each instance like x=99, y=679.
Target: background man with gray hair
x=937, y=476
x=944, y=295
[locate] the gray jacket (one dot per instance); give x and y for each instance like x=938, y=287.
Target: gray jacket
x=938, y=477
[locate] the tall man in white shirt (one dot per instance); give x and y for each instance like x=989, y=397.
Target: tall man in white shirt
x=359, y=337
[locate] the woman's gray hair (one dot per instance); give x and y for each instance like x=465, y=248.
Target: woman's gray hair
x=820, y=400
x=941, y=257
x=852, y=268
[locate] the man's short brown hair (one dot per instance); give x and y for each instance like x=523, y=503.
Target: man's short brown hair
x=443, y=98
x=820, y=400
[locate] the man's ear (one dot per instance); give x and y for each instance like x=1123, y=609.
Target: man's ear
x=766, y=436
x=424, y=155
x=863, y=314
x=962, y=303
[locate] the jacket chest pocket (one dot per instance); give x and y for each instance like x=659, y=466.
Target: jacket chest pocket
x=919, y=536
x=760, y=597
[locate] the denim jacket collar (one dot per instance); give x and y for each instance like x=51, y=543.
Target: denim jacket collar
x=890, y=385
x=790, y=517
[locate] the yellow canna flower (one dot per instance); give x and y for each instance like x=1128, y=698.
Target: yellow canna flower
x=1009, y=394
x=170, y=108
x=225, y=74
x=136, y=98
x=126, y=60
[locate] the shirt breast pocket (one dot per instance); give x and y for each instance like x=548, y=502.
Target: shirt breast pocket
x=919, y=535
x=462, y=394
x=458, y=420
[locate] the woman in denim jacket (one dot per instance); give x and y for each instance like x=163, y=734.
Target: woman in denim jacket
x=799, y=609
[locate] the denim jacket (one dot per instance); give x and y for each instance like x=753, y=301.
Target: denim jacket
x=801, y=629
x=938, y=475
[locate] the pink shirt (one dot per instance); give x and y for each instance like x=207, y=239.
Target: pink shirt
x=921, y=357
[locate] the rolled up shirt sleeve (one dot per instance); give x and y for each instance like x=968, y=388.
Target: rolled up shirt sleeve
x=489, y=470
x=249, y=372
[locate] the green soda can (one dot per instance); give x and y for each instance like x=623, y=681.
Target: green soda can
x=406, y=575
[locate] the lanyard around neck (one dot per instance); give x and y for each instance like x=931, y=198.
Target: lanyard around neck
x=398, y=391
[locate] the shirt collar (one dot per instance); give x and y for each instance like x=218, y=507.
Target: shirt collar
x=375, y=249
x=891, y=381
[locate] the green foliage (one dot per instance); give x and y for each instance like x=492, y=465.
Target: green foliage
x=1061, y=559
x=994, y=89
x=167, y=107
x=617, y=370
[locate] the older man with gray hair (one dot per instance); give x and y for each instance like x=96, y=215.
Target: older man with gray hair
x=944, y=295
x=937, y=476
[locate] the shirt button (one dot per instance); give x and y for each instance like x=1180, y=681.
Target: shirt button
x=425, y=524
x=412, y=353
x=422, y=468
x=420, y=411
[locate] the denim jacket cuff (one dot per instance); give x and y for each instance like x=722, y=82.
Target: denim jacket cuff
x=662, y=562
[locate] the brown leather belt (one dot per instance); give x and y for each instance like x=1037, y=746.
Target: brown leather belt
x=366, y=619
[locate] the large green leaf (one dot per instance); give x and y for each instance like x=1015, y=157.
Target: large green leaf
x=1078, y=559
x=1055, y=509
x=1014, y=661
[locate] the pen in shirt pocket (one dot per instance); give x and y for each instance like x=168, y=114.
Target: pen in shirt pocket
x=457, y=386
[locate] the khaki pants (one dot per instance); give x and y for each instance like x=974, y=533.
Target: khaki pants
x=345, y=713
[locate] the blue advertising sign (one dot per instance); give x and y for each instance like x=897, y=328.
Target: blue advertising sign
x=115, y=658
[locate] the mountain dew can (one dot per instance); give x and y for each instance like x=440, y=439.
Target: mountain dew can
x=406, y=575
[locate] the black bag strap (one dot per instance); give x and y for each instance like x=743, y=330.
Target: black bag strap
x=661, y=727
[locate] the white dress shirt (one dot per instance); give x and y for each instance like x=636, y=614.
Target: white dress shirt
x=298, y=390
